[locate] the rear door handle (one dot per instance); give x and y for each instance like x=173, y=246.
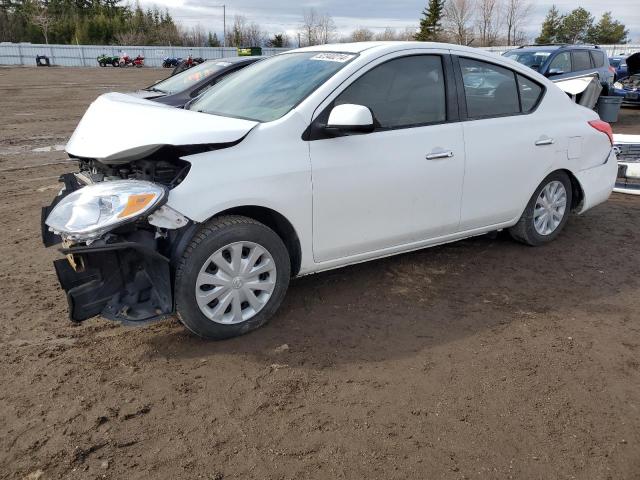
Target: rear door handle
x=439, y=155
x=545, y=141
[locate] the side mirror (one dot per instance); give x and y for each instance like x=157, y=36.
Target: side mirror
x=350, y=118
x=554, y=71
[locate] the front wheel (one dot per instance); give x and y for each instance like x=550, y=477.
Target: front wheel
x=232, y=278
x=546, y=213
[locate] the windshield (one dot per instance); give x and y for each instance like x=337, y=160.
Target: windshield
x=531, y=58
x=190, y=77
x=269, y=89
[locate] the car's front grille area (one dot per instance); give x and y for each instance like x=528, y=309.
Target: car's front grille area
x=628, y=152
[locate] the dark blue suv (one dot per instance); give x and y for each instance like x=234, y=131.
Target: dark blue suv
x=566, y=61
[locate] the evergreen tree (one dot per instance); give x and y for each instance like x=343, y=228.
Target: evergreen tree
x=213, y=40
x=576, y=26
x=551, y=26
x=277, y=41
x=431, y=22
x=607, y=31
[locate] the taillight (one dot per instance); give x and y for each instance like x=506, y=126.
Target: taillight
x=612, y=69
x=603, y=127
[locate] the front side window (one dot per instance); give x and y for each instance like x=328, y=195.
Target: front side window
x=269, y=89
x=561, y=63
x=581, y=61
x=490, y=90
x=403, y=92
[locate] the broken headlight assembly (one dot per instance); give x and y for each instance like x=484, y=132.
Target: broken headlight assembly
x=91, y=211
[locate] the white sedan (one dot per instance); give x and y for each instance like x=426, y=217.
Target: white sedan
x=310, y=160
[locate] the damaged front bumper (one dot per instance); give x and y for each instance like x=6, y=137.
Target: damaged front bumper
x=125, y=275
x=124, y=281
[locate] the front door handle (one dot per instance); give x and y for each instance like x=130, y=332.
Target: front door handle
x=439, y=155
x=545, y=141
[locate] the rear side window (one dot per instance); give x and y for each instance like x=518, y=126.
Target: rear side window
x=561, y=63
x=403, y=92
x=530, y=93
x=490, y=90
x=598, y=58
x=581, y=61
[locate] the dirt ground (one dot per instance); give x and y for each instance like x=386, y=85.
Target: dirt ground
x=482, y=359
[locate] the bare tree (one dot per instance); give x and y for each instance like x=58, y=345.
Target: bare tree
x=130, y=38
x=515, y=14
x=40, y=17
x=317, y=28
x=326, y=28
x=361, y=34
x=488, y=21
x=388, y=34
x=194, y=36
x=255, y=36
x=458, y=19
x=408, y=34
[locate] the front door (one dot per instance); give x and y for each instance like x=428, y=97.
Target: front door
x=400, y=184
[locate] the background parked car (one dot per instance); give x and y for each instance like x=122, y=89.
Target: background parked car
x=179, y=89
x=629, y=85
x=565, y=61
x=620, y=64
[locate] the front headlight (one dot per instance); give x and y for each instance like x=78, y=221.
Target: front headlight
x=93, y=210
x=618, y=85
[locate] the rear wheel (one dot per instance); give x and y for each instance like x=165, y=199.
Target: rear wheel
x=546, y=213
x=115, y=63
x=232, y=278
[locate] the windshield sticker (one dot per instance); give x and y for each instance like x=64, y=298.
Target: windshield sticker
x=223, y=64
x=332, y=57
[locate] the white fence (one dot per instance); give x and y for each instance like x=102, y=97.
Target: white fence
x=85, y=55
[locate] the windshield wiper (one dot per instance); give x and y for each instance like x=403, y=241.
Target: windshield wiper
x=153, y=89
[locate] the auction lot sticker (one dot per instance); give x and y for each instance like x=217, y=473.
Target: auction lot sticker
x=333, y=57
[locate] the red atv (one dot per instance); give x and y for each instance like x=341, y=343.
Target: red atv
x=126, y=61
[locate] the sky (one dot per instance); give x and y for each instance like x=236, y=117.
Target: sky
x=286, y=15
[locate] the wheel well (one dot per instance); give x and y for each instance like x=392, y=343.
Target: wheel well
x=577, y=194
x=279, y=224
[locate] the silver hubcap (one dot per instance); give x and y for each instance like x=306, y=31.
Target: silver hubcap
x=236, y=282
x=550, y=207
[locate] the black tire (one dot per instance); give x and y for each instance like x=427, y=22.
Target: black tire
x=211, y=237
x=102, y=64
x=524, y=231
x=115, y=63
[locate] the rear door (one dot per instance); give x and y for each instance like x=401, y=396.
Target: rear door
x=508, y=143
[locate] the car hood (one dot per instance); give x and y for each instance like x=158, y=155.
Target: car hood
x=633, y=64
x=117, y=126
